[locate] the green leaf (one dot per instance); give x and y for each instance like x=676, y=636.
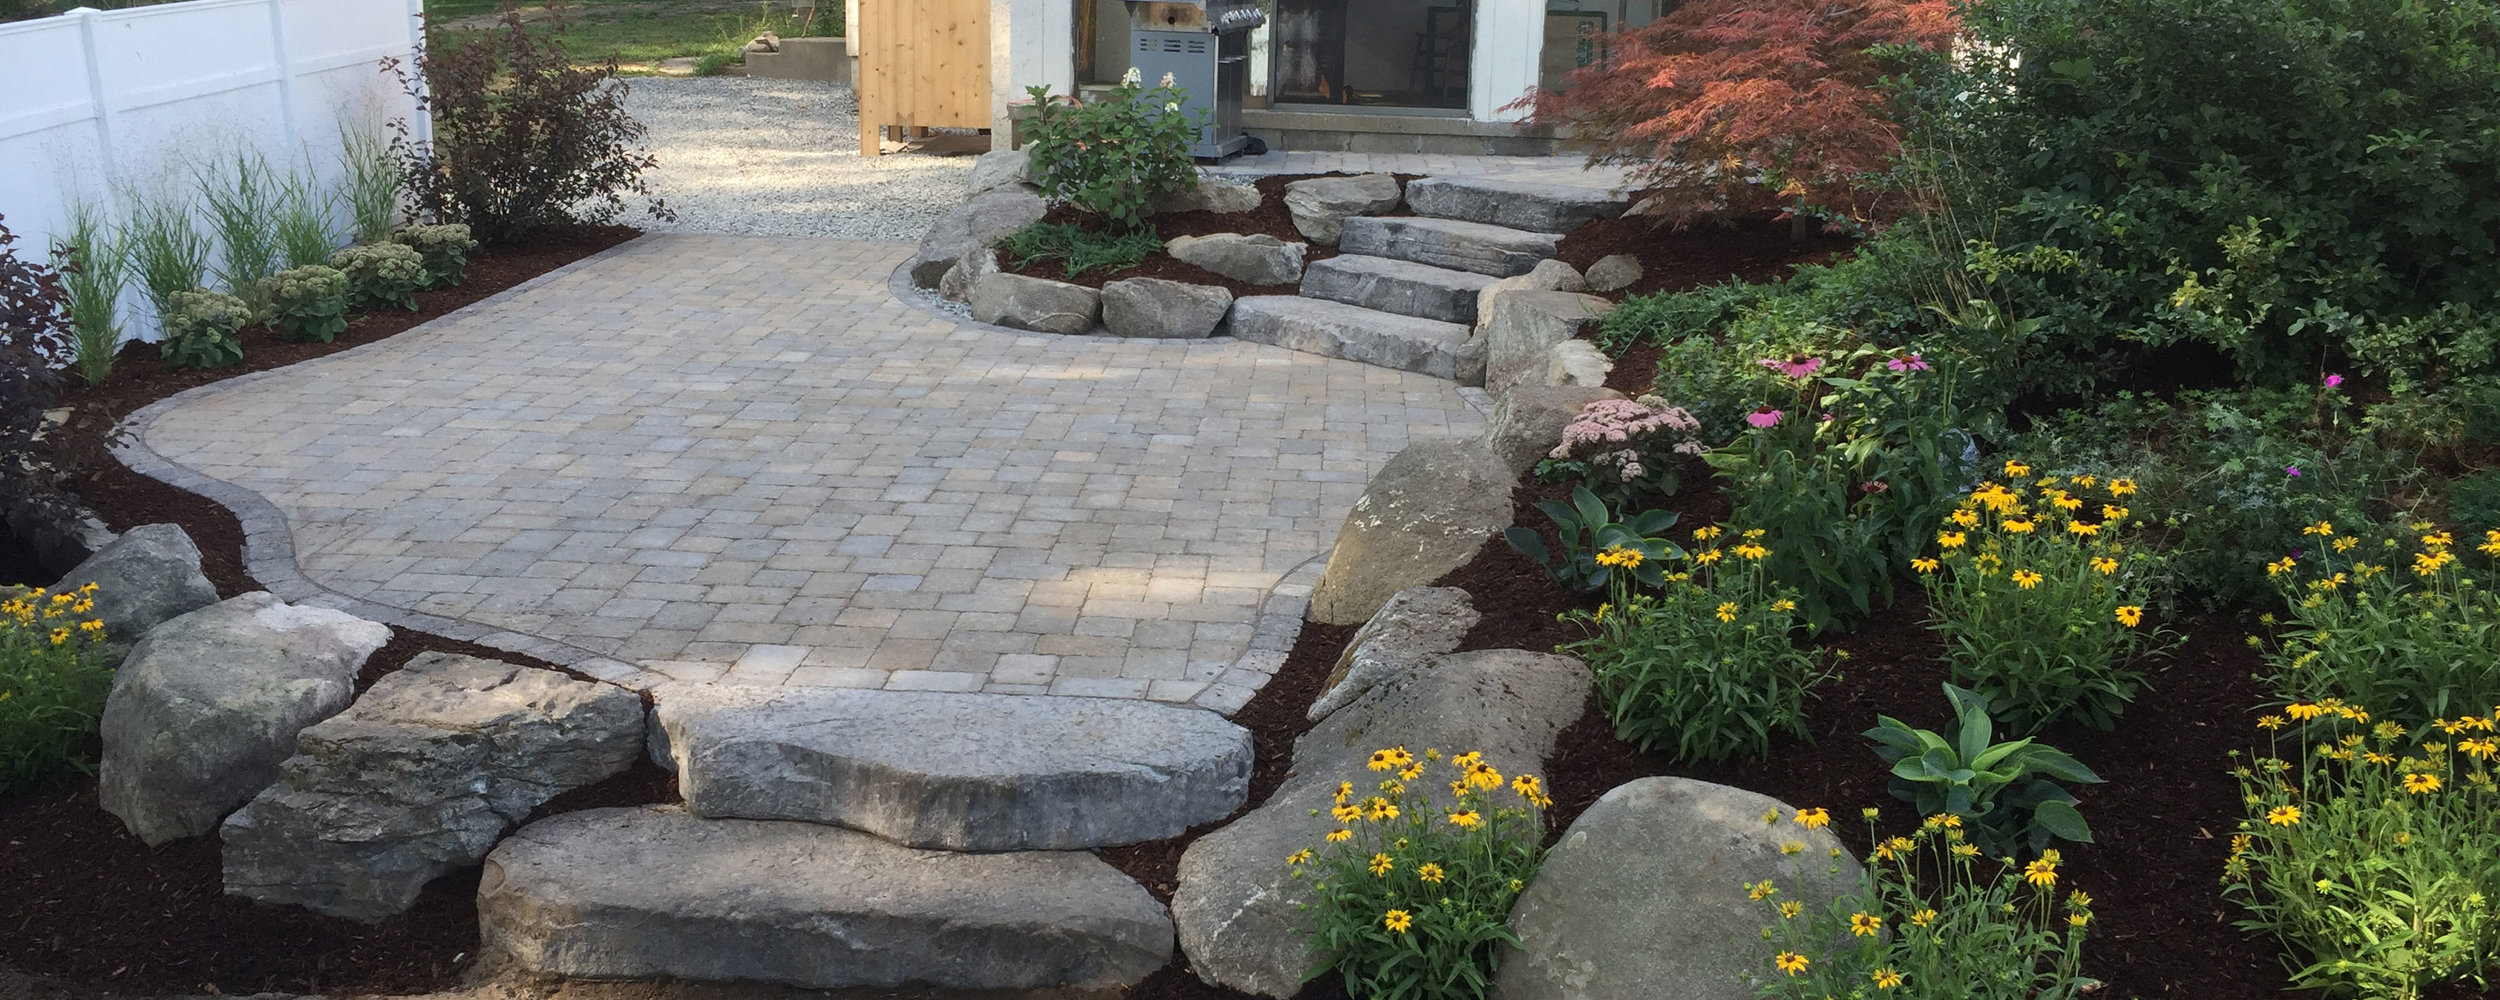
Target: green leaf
x=2061, y=819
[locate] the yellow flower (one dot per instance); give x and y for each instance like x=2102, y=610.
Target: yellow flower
x=1727, y=611
x=1429, y=873
x=2421, y=784
x=1412, y=772
x=2130, y=615
x=2084, y=481
x=1340, y=835
x=1465, y=819
x=1922, y=918
x=1762, y=890
x=1966, y=850
x=2014, y=468
x=1753, y=534
x=1707, y=557
x=2270, y=722
x=1863, y=925
x=1783, y=604
x=2302, y=711
x=1793, y=847
x=1790, y=962
x=2121, y=487
x=2283, y=816
x=2066, y=503
x=2439, y=540
x=2041, y=872
x=2082, y=530
x=2017, y=526
x=1345, y=790
x=2105, y=564
x=1751, y=551
x=59, y=636
x=2491, y=543
x=1527, y=786
x=2078, y=899
x=2113, y=514
x=2378, y=758
x=1381, y=865
x=1925, y=565
x=1378, y=810
x=2279, y=568
x=1620, y=556
x=2321, y=528
x=1949, y=539
x=2327, y=582
x=1346, y=814
x=2026, y=579
x=2427, y=563
x=1969, y=518
x=2346, y=543
x=1397, y=921
x=1298, y=857
x=1705, y=534
x=2078, y=919
x=2479, y=749
x=1815, y=818
x=1482, y=775
x=1790, y=910
x=1885, y=978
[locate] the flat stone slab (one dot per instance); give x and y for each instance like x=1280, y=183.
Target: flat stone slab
x=655, y=892
x=1397, y=286
x=1338, y=330
x=960, y=772
x=1499, y=251
x=1543, y=208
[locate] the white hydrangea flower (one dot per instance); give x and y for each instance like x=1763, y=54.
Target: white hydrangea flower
x=1132, y=77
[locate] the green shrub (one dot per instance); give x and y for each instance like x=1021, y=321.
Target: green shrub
x=308, y=303
x=1707, y=665
x=200, y=333
x=2375, y=857
x=1932, y=920
x=2392, y=622
x=1412, y=898
x=2004, y=792
x=1115, y=155
x=1593, y=546
x=2475, y=498
x=2041, y=607
x=95, y=264
x=53, y=680
x=382, y=275
x=446, y=250
x=524, y=138
x=1079, y=249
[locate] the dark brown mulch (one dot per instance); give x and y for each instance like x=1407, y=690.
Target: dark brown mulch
x=1753, y=248
x=1271, y=218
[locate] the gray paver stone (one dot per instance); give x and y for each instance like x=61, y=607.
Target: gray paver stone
x=653, y=892
x=965, y=772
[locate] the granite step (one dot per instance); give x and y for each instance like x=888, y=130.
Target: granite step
x=1398, y=286
x=655, y=892
x=958, y=772
x=1543, y=208
x=1338, y=330
x=1499, y=251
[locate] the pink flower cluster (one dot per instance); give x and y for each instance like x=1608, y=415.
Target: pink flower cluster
x=1631, y=424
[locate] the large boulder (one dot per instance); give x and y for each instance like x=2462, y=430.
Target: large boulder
x=1426, y=513
x=1004, y=168
x=1614, y=273
x=1210, y=194
x=1648, y=887
x=1547, y=276
x=974, y=265
x=1528, y=421
x=978, y=222
x=419, y=778
x=208, y=704
x=1321, y=205
x=1155, y=307
x=1038, y=304
x=1241, y=917
x=148, y=576
x=1257, y=260
x=653, y=893
x=959, y=772
x=1414, y=628
x=1577, y=363
x=1523, y=329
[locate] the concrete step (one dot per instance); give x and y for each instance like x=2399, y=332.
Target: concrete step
x=654, y=892
x=1543, y=208
x=1338, y=330
x=1398, y=286
x=958, y=772
x=1499, y=251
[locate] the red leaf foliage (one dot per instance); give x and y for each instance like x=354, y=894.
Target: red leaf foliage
x=1743, y=105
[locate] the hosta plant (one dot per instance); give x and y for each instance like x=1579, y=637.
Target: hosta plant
x=382, y=275
x=2007, y=793
x=1594, y=546
x=308, y=303
x=1413, y=888
x=446, y=250
x=201, y=330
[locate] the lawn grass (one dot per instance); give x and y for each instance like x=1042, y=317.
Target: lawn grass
x=641, y=33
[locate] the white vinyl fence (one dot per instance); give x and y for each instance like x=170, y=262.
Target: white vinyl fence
x=98, y=105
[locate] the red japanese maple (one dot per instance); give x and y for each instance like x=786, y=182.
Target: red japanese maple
x=1742, y=105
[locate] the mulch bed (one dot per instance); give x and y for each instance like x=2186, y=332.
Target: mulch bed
x=1703, y=252
x=1271, y=218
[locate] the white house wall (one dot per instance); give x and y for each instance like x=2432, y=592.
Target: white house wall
x=1510, y=37
x=1031, y=42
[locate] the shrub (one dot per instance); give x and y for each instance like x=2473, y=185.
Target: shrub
x=1709, y=664
x=34, y=332
x=2395, y=623
x=1115, y=155
x=2041, y=607
x=200, y=333
x=445, y=249
x=53, y=680
x=1932, y=920
x=243, y=204
x=381, y=275
x=94, y=264
x=523, y=137
x=2376, y=857
x=2003, y=791
x=308, y=303
x=1413, y=898
x=1079, y=249
x=1625, y=451
x=1593, y=546
x=1737, y=106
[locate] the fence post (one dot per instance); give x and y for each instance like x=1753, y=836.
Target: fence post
x=290, y=114
x=420, y=121
x=95, y=94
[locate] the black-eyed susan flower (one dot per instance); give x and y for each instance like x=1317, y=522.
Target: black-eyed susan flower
x=1762, y=890
x=2130, y=615
x=2421, y=784
x=2303, y=711
x=2018, y=526
x=2026, y=579
x=2121, y=487
x=1466, y=819
x=1783, y=604
x=2283, y=816
x=1340, y=835
x=1397, y=921
x=1815, y=818
x=1865, y=925
x=1619, y=556
x=1382, y=865
x=1950, y=539
x=2041, y=872
x=2321, y=529
x=1726, y=611
x=1925, y=565
x=2014, y=468
x=1922, y=918
x=1792, y=963
x=1791, y=909
x=1750, y=550
x=1885, y=978
x=2105, y=565
x=1429, y=872
x=1300, y=857
x=1527, y=786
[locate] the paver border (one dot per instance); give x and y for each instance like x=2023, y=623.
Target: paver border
x=269, y=542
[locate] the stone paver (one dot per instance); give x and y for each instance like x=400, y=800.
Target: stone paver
x=743, y=458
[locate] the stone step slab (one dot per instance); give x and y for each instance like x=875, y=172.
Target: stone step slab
x=654, y=891
x=1397, y=286
x=1543, y=208
x=958, y=772
x=1338, y=330
x=1499, y=251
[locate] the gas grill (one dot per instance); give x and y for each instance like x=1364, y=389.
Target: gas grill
x=1205, y=46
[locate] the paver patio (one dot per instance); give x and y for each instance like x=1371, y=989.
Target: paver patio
x=744, y=458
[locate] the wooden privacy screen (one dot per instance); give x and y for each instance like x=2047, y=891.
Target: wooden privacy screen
x=923, y=64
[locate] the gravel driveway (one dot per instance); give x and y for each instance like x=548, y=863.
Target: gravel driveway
x=781, y=158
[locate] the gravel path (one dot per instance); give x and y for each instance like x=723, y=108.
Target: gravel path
x=781, y=158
